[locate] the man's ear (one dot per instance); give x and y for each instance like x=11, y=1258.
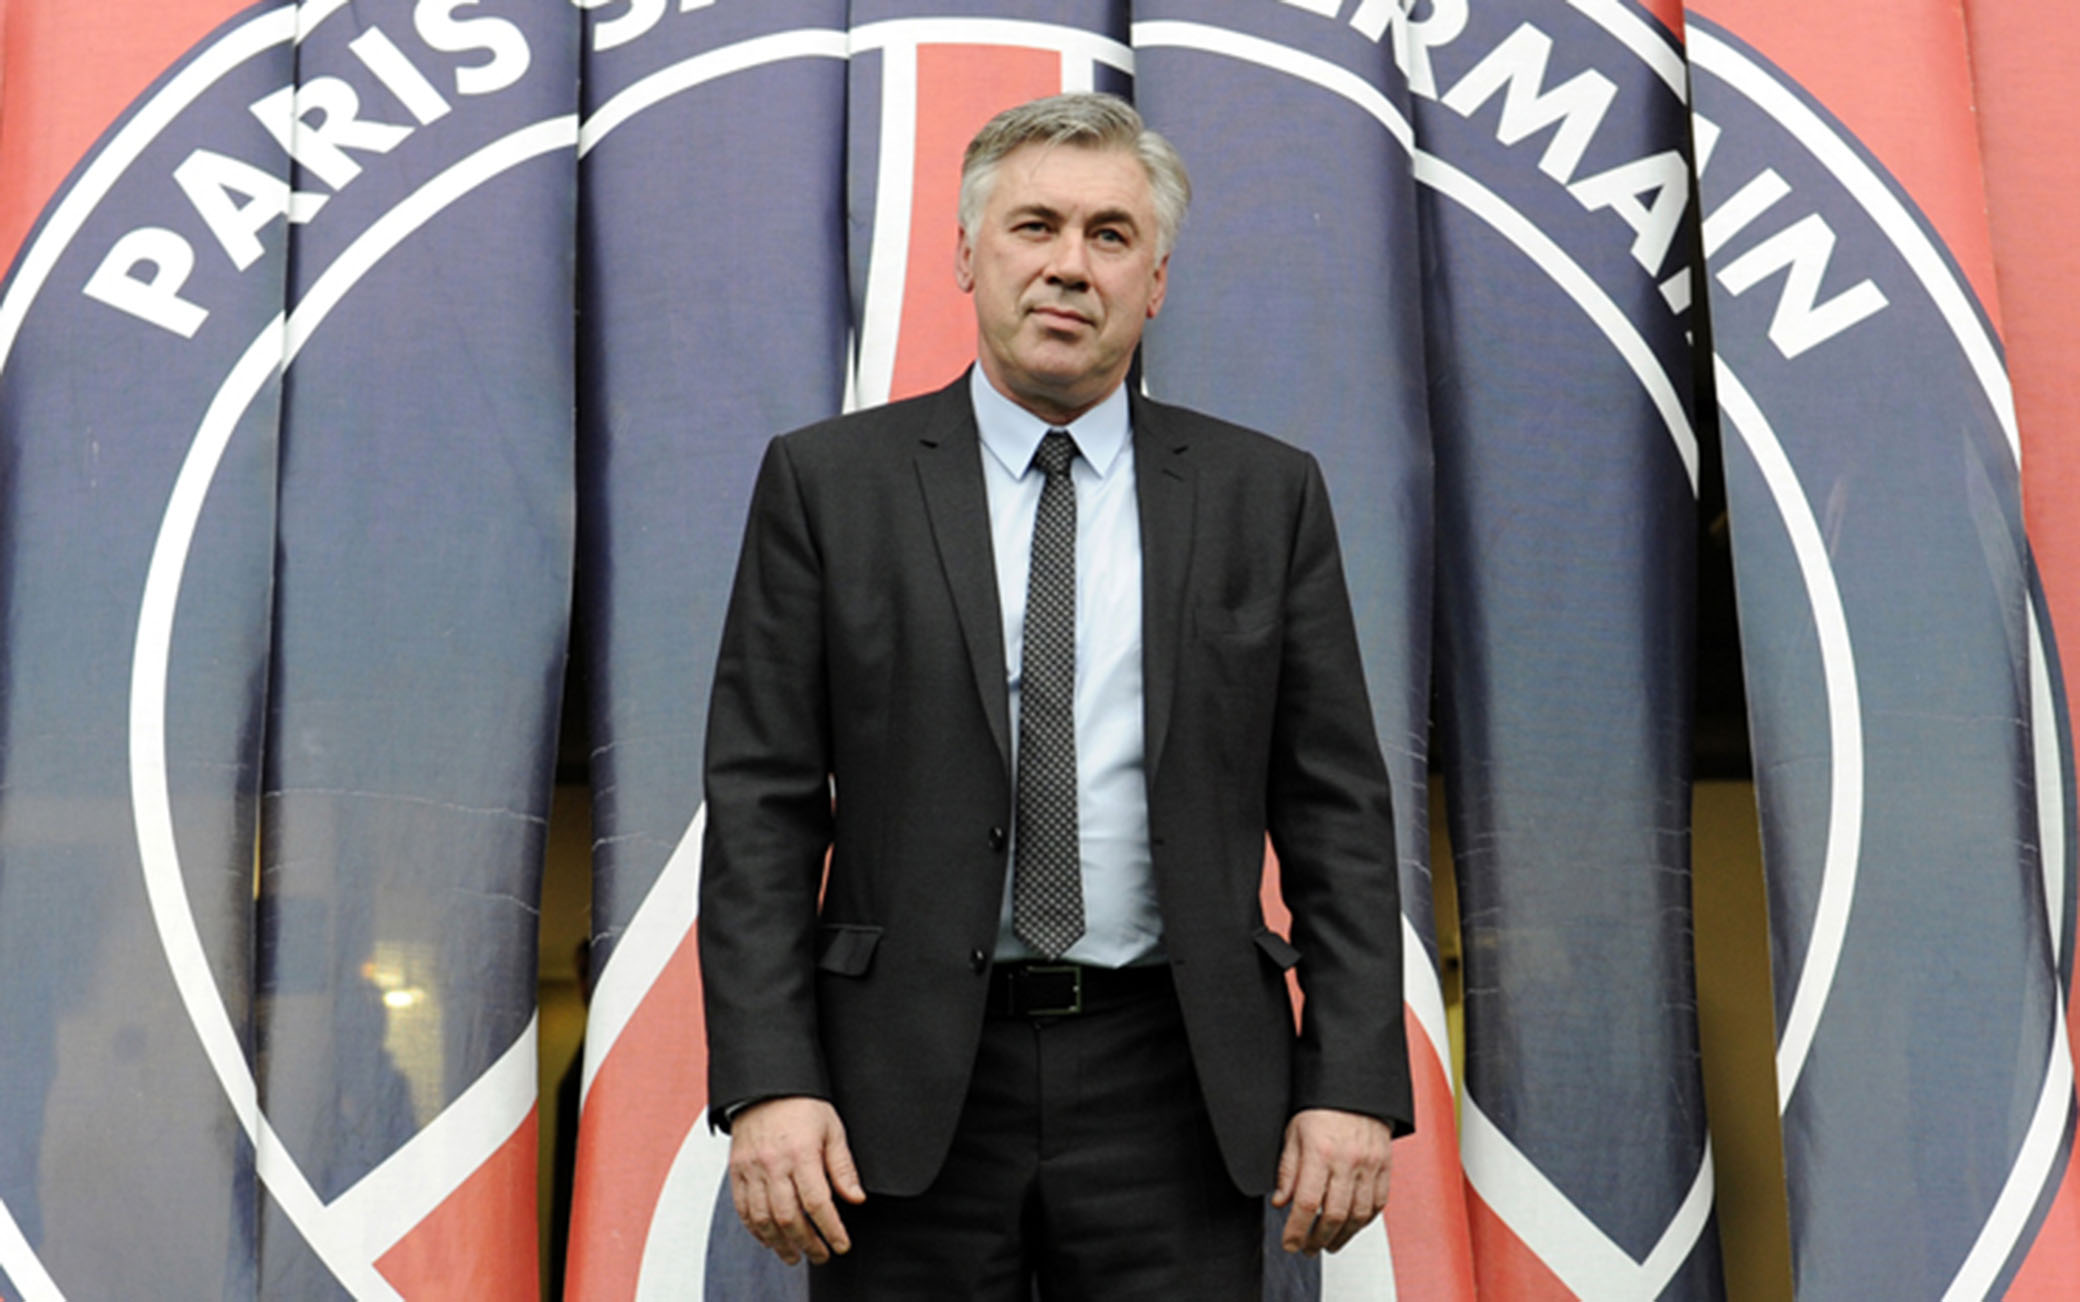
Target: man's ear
x=1162, y=279
x=964, y=263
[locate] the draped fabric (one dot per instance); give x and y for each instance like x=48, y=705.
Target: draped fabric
x=287, y=411
x=366, y=366
x=1326, y=261
x=1902, y=682
x=1567, y=474
x=712, y=282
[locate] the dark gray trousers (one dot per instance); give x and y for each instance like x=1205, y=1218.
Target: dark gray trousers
x=1084, y=1169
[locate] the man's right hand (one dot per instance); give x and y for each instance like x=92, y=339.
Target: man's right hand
x=786, y=1156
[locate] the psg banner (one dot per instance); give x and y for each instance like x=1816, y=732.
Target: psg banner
x=1327, y=260
x=1553, y=144
x=363, y=363
x=712, y=274
x=1902, y=683
x=287, y=575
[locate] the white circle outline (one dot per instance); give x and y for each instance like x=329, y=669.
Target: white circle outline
x=272, y=351
x=256, y=366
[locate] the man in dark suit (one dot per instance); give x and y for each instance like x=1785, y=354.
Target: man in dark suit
x=1038, y=663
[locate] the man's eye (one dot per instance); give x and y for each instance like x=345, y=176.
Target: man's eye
x=1110, y=237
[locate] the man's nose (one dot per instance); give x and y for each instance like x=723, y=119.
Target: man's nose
x=1070, y=266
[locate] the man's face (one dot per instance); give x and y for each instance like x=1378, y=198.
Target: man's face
x=1063, y=267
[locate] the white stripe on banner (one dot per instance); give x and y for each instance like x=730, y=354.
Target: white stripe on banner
x=1070, y=42
x=1572, y=1246
x=2035, y=1162
x=1844, y=847
x=1549, y=257
x=675, y=1242
x=1679, y=1240
x=1363, y=1271
x=1425, y=996
x=888, y=258
x=2051, y=794
x=675, y=1248
x=1551, y=1226
x=648, y=92
x=390, y=1201
x=20, y=1262
x=274, y=349
x=1448, y=180
x=660, y=925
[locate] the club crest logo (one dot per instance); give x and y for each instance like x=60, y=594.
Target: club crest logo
x=391, y=136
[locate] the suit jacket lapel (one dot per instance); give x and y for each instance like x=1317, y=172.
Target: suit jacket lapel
x=949, y=469
x=1164, y=486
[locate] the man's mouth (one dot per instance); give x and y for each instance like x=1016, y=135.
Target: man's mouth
x=1053, y=314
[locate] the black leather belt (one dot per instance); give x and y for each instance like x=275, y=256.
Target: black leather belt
x=1070, y=989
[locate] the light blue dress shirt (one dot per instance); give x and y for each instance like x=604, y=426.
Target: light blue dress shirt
x=1122, y=923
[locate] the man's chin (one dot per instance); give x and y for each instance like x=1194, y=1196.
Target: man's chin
x=1059, y=365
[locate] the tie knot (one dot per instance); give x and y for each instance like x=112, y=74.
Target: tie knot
x=1056, y=451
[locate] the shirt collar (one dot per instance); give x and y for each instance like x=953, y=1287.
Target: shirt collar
x=1012, y=434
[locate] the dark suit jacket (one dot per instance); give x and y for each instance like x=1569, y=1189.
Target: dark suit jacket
x=860, y=707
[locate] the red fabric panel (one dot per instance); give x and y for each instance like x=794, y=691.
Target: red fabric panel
x=481, y=1241
x=1509, y=1270
x=959, y=87
x=69, y=70
x=646, y=1097
x=1433, y=1248
x=2022, y=60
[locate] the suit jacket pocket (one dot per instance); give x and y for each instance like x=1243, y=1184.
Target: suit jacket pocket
x=1276, y=947
x=845, y=949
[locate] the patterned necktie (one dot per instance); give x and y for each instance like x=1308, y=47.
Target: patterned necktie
x=1047, y=891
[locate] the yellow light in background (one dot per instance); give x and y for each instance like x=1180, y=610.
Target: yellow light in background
x=399, y=973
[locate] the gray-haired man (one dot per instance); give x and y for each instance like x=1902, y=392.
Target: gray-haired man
x=1065, y=656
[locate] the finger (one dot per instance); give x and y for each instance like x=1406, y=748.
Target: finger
x=1361, y=1212
x=1288, y=1171
x=822, y=1213
x=1299, y=1221
x=837, y=1159
x=788, y=1223
x=1336, y=1209
x=757, y=1215
x=1309, y=1184
x=738, y=1196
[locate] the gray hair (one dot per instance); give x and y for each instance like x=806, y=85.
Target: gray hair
x=1088, y=120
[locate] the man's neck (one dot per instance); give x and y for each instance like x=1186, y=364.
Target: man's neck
x=1053, y=412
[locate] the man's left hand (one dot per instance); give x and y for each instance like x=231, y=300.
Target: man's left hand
x=1333, y=1177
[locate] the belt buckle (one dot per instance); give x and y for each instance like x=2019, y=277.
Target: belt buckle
x=1074, y=974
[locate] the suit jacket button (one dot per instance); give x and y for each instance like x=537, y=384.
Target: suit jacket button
x=977, y=959
x=997, y=839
